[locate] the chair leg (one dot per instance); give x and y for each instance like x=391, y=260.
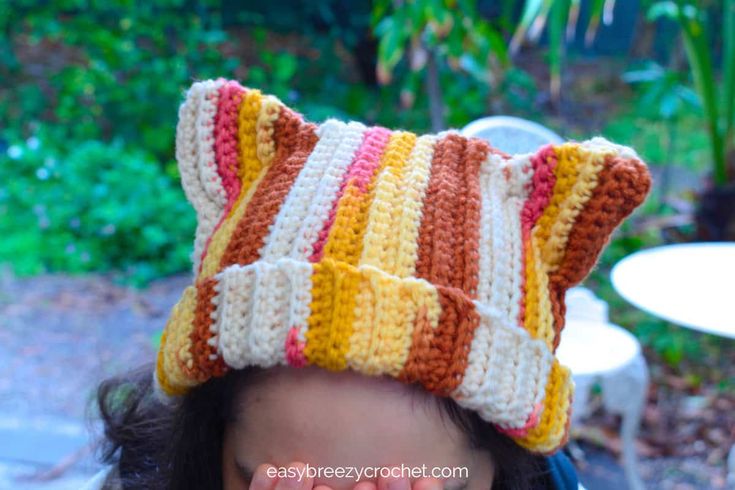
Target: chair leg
x=628, y=431
x=631, y=423
x=624, y=392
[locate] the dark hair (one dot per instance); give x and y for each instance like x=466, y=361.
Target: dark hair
x=179, y=447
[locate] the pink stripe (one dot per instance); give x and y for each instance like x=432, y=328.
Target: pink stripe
x=542, y=187
x=295, y=349
x=226, y=143
x=226, y=149
x=532, y=422
x=359, y=174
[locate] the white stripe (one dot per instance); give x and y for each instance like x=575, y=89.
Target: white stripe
x=207, y=163
x=316, y=210
x=257, y=306
x=291, y=214
x=196, y=161
x=234, y=311
x=507, y=371
x=488, y=220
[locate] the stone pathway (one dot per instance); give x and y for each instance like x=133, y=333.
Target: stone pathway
x=59, y=337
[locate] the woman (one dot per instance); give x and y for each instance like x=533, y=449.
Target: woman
x=366, y=298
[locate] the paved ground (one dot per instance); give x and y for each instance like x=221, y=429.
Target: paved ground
x=59, y=336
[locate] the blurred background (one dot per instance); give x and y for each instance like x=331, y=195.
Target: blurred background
x=96, y=232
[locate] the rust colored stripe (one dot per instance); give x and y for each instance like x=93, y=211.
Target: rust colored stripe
x=438, y=358
x=476, y=153
x=438, y=233
x=621, y=186
x=295, y=140
x=203, y=367
x=413, y=369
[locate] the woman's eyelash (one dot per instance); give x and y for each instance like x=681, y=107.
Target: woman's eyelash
x=244, y=472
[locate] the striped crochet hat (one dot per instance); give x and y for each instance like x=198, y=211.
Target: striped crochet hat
x=433, y=259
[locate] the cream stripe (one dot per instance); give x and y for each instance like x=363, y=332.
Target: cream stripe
x=258, y=305
x=494, y=274
x=294, y=209
x=316, y=209
x=485, y=246
x=501, y=279
x=267, y=333
x=234, y=313
x=195, y=156
x=207, y=164
x=515, y=257
x=505, y=397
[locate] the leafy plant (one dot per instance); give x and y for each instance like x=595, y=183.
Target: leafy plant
x=718, y=101
x=427, y=33
x=102, y=207
x=90, y=70
x=562, y=18
x=666, y=97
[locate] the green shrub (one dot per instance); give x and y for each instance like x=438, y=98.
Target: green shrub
x=101, y=207
x=87, y=70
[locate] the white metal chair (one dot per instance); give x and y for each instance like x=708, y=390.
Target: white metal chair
x=511, y=134
x=599, y=352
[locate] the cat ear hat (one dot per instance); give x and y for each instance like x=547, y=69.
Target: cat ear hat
x=433, y=259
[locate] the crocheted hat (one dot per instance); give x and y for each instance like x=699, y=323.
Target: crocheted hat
x=433, y=259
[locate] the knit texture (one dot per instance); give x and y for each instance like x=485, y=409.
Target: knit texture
x=432, y=259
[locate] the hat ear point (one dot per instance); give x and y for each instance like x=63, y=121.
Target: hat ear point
x=580, y=193
x=226, y=136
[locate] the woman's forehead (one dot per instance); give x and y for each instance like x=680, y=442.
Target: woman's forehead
x=343, y=418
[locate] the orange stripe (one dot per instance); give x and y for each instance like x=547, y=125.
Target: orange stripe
x=295, y=140
x=438, y=358
x=438, y=235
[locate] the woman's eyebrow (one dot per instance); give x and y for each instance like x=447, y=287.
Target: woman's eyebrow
x=456, y=485
x=245, y=472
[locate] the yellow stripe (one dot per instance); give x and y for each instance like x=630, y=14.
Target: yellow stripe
x=587, y=167
x=345, y=242
x=405, y=242
x=174, y=355
x=384, y=321
x=383, y=232
x=250, y=164
x=265, y=140
x=538, y=318
x=223, y=234
x=334, y=288
x=553, y=424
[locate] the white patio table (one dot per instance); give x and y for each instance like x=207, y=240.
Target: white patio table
x=692, y=285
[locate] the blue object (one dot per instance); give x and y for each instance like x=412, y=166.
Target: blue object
x=562, y=472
